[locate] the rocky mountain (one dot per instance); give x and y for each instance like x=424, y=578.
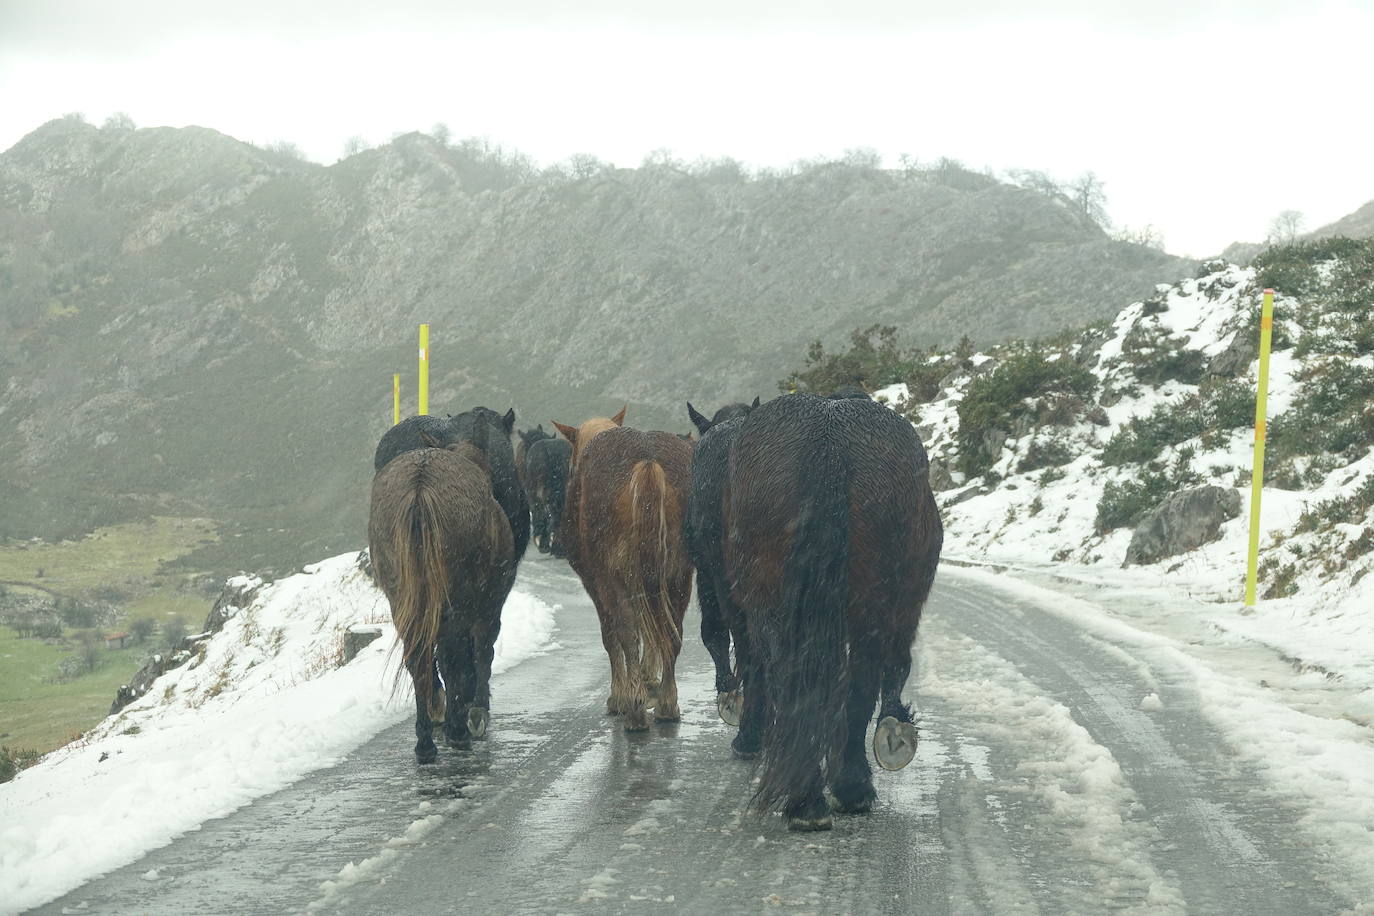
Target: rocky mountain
x=193, y=325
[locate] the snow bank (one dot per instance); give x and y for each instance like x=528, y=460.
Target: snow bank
x=264, y=703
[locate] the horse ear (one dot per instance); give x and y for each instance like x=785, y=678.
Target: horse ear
x=428, y=438
x=540, y=427
x=508, y=420
x=569, y=432
x=619, y=419
x=755, y=404
x=701, y=423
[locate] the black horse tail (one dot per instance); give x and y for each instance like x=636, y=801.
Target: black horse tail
x=422, y=585
x=805, y=639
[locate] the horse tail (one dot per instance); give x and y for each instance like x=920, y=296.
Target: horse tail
x=422, y=586
x=652, y=552
x=805, y=640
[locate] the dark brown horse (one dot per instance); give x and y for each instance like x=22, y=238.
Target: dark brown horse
x=721, y=624
x=622, y=519
x=443, y=553
x=527, y=438
x=832, y=537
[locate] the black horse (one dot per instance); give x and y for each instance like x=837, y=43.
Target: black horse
x=546, y=483
x=527, y=438
x=486, y=425
x=406, y=436
x=831, y=540
x=720, y=622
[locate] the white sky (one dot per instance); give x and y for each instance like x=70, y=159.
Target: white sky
x=1204, y=118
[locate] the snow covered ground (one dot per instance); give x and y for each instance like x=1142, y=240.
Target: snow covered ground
x=1044, y=524
x=266, y=703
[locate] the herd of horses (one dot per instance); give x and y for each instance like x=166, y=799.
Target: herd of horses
x=809, y=523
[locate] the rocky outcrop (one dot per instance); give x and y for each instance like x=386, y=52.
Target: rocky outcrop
x=1184, y=521
x=1235, y=360
x=237, y=594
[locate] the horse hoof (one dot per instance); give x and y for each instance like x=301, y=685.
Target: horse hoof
x=667, y=714
x=810, y=822
x=744, y=753
x=637, y=720
x=894, y=743
x=478, y=720
x=428, y=754
x=854, y=799
x=730, y=705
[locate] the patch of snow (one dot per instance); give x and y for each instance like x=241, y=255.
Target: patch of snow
x=262, y=704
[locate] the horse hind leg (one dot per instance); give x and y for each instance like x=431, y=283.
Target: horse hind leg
x=615, y=702
x=753, y=716
x=484, y=651
x=437, y=698
x=851, y=779
x=425, y=750
x=455, y=652
x=894, y=740
x=636, y=697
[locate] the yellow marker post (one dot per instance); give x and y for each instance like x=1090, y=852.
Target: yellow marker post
x=395, y=398
x=1261, y=417
x=424, y=370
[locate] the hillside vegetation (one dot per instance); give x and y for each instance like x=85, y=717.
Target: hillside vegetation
x=1055, y=450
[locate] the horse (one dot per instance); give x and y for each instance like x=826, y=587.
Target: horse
x=443, y=553
x=623, y=521
x=720, y=622
x=546, y=485
x=406, y=435
x=527, y=438
x=831, y=541
x=494, y=430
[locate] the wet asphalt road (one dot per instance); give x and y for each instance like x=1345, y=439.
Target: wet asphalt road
x=560, y=811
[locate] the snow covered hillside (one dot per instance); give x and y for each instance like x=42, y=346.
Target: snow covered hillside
x=263, y=702
x=1049, y=457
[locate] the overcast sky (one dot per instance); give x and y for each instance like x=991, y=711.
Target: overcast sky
x=1203, y=118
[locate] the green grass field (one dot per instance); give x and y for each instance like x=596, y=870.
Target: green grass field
x=126, y=561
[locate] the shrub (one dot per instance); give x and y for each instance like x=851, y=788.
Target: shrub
x=1338, y=510
x=1219, y=407
x=1291, y=269
x=1143, y=438
x=12, y=760
x=142, y=629
x=1045, y=452
x=994, y=400
x=1126, y=502
x=873, y=360
x=1330, y=413
x=174, y=633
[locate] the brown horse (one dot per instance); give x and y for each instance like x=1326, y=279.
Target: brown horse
x=832, y=537
x=443, y=553
x=622, y=519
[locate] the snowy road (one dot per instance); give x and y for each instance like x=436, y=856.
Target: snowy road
x=1059, y=772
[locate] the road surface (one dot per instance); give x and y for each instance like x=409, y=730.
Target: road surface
x=1057, y=773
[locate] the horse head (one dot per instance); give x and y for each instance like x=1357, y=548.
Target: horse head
x=728, y=412
x=579, y=436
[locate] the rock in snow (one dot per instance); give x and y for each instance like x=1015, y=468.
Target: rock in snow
x=1185, y=520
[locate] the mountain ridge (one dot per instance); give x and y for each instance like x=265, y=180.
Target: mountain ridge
x=165, y=292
